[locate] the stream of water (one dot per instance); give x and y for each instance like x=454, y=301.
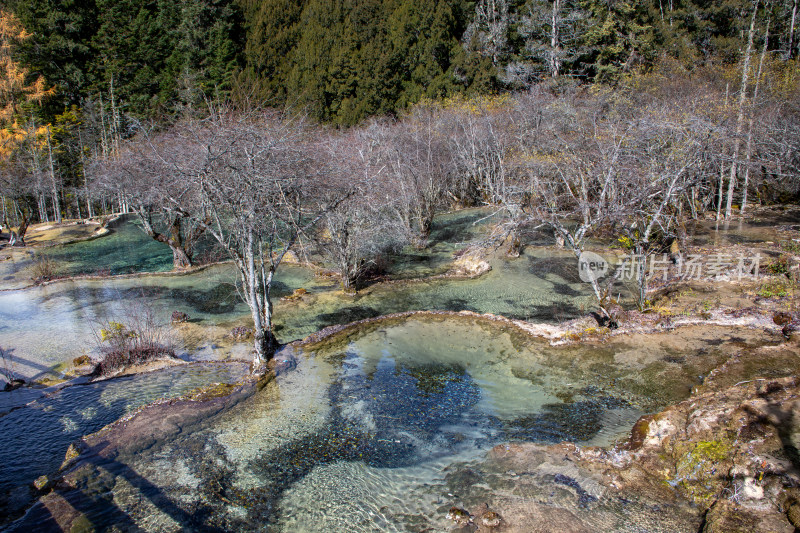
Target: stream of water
x=35, y=437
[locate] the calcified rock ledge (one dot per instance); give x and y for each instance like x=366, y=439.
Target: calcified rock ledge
x=565, y=332
x=719, y=461
x=724, y=460
x=134, y=275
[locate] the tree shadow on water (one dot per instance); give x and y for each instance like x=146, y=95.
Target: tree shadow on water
x=33, y=442
x=378, y=419
x=92, y=505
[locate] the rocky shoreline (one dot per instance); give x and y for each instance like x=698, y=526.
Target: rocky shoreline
x=720, y=461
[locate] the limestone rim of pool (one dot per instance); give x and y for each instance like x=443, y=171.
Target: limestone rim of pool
x=165, y=418
x=101, y=230
x=562, y=334
x=176, y=408
x=195, y=408
x=161, y=363
x=132, y=275
x=456, y=271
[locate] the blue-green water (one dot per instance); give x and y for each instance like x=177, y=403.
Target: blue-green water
x=367, y=428
x=34, y=438
x=373, y=432
x=126, y=249
x=56, y=323
x=348, y=441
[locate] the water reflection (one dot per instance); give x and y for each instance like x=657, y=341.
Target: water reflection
x=389, y=411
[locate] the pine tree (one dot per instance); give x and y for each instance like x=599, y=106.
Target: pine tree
x=59, y=48
x=619, y=36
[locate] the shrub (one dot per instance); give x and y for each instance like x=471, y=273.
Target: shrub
x=179, y=317
x=44, y=269
x=790, y=246
x=774, y=289
x=141, y=338
x=779, y=266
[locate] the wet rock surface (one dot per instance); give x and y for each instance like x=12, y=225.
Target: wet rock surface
x=726, y=459
x=470, y=263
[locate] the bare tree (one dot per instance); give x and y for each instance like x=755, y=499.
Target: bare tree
x=740, y=113
x=487, y=34
x=552, y=31
x=420, y=165
x=257, y=184
x=144, y=175
x=362, y=229
x=664, y=148
x=482, y=142
x=751, y=120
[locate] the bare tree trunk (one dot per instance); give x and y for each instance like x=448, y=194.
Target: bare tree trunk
x=749, y=149
x=17, y=238
x=692, y=199
x=115, y=120
x=790, y=50
x=740, y=116
x=104, y=133
x=251, y=286
x=56, y=201
x=555, y=48
x=89, y=212
x=257, y=294
x=181, y=257
x=40, y=204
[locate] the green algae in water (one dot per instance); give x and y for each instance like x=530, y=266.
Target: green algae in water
x=126, y=249
x=369, y=435
x=54, y=323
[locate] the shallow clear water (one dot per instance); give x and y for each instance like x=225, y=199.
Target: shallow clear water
x=35, y=437
x=51, y=324
x=377, y=431
x=540, y=285
x=126, y=249
x=758, y=228
x=47, y=325
x=360, y=437
x=450, y=232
